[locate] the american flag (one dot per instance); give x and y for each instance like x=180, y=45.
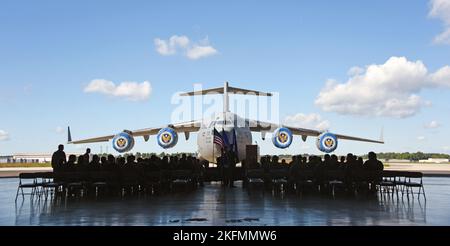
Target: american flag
x=218, y=139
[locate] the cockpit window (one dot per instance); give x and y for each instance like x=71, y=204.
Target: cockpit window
x=223, y=122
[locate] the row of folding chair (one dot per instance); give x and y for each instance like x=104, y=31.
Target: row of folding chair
x=390, y=182
x=39, y=185
x=404, y=182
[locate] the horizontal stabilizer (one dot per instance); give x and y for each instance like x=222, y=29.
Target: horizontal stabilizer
x=231, y=90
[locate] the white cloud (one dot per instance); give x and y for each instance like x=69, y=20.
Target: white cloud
x=313, y=120
x=132, y=91
x=446, y=148
x=170, y=46
x=197, y=52
x=421, y=138
x=60, y=130
x=390, y=89
x=432, y=125
x=441, y=77
x=191, y=50
x=4, y=135
x=444, y=37
x=440, y=9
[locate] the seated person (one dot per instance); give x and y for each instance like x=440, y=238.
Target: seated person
x=81, y=165
x=70, y=166
x=111, y=164
x=95, y=163
x=373, y=164
x=103, y=162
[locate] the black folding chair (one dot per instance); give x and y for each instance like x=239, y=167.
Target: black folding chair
x=27, y=181
x=305, y=181
x=98, y=181
x=388, y=183
x=335, y=178
x=49, y=184
x=279, y=179
x=152, y=181
x=74, y=183
x=255, y=179
x=414, y=180
x=129, y=181
x=181, y=178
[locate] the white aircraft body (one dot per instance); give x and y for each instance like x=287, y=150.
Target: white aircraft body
x=237, y=130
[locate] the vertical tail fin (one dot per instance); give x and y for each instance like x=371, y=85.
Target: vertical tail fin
x=226, y=105
x=69, y=136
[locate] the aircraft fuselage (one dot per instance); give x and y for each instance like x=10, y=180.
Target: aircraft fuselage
x=226, y=123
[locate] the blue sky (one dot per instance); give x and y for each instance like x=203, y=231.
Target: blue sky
x=50, y=51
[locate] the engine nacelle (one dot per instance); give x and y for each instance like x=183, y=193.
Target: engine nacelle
x=282, y=138
x=327, y=142
x=167, y=137
x=123, y=142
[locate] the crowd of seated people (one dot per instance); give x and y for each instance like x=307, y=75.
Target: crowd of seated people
x=88, y=162
x=328, y=163
x=348, y=168
x=118, y=172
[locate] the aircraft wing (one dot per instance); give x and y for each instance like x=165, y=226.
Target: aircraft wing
x=92, y=140
x=259, y=126
x=186, y=127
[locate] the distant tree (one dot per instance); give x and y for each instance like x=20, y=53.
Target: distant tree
x=410, y=156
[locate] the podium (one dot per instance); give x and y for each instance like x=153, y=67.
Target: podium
x=251, y=154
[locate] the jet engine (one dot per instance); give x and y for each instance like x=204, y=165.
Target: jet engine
x=123, y=141
x=167, y=137
x=282, y=137
x=327, y=142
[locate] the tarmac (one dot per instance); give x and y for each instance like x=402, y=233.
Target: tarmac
x=428, y=169
x=13, y=172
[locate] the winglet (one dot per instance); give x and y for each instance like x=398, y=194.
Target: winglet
x=69, y=136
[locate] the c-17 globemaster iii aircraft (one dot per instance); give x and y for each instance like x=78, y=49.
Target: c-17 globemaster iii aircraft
x=237, y=130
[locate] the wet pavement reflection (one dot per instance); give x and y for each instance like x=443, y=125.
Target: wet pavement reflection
x=215, y=205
